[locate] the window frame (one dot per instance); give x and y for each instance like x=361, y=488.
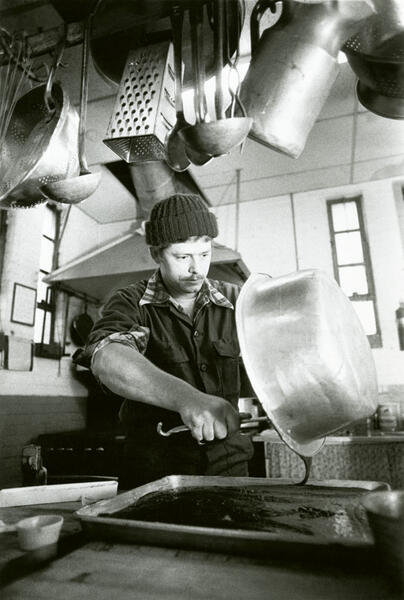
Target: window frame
x=3, y=241
x=375, y=339
x=50, y=349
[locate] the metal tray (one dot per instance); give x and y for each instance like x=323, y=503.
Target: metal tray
x=334, y=504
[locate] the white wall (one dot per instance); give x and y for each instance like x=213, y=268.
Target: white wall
x=49, y=398
x=21, y=265
x=265, y=234
x=267, y=243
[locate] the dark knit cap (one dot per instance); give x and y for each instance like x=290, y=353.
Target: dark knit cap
x=179, y=217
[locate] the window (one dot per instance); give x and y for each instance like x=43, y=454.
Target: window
x=352, y=266
x=46, y=301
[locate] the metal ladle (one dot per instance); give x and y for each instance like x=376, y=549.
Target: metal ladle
x=214, y=138
x=76, y=189
x=177, y=158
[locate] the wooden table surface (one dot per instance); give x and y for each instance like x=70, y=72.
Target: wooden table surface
x=101, y=570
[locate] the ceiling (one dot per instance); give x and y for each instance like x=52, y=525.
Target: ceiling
x=347, y=144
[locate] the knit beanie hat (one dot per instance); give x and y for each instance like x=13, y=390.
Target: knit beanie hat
x=177, y=218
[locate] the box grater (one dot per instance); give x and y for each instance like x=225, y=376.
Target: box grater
x=144, y=111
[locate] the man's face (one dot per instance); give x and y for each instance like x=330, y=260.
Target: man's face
x=184, y=265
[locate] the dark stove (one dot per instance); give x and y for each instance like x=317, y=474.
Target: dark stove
x=95, y=452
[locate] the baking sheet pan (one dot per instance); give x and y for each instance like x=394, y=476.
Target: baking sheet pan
x=288, y=513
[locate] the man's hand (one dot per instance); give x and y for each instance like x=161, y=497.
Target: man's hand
x=209, y=417
x=131, y=375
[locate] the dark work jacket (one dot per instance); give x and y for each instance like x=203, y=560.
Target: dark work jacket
x=203, y=351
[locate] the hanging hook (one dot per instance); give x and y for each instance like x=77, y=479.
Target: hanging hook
x=18, y=51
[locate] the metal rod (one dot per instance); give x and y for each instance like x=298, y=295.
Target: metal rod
x=196, y=21
x=80, y=295
x=61, y=234
x=177, y=19
x=67, y=306
x=292, y=207
x=218, y=25
x=84, y=97
x=237, y=222
x=354, y=134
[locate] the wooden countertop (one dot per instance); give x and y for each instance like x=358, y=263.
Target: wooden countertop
x=103, y=570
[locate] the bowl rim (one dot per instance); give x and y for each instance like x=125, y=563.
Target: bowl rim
x=48, y=521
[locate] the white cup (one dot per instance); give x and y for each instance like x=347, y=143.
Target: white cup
x=38, y=531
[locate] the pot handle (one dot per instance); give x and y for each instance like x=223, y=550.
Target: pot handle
x=246, y=422
x=256, y=16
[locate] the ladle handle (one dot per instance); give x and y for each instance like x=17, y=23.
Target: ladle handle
x=218, y=20
x=84, y=96
x=196, y=21
x=177, y=19
x=245, y=424
x=48, y=98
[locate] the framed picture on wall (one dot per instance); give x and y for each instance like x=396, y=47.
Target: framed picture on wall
x=23, y=305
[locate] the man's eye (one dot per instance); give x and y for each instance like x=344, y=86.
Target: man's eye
x=181, y=257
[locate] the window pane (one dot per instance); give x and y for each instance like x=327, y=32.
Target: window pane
x=49, y=223
x=349, y=248
x=353, y=280
x=39, y=319
x=366, y=314
x=46, y=257
x=41, y=289
x=345, y=216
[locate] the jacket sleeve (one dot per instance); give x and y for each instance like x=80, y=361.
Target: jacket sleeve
x=122, y=321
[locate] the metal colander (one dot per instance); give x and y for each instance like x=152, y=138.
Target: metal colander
x=371, y=42
x=39, y=147
x=377, y=59
x=144, y=111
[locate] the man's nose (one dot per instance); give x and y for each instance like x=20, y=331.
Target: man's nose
x=193, y=265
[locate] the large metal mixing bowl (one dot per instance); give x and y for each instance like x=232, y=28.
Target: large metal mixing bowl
x=307, y=356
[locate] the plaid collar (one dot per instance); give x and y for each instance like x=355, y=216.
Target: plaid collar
x=156, y=293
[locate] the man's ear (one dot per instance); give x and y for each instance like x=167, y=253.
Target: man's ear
x=155, y=254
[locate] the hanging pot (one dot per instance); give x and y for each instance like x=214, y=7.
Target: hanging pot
x=80, y=327
x=293, y=68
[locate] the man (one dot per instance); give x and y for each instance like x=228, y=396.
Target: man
x=169, y=347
